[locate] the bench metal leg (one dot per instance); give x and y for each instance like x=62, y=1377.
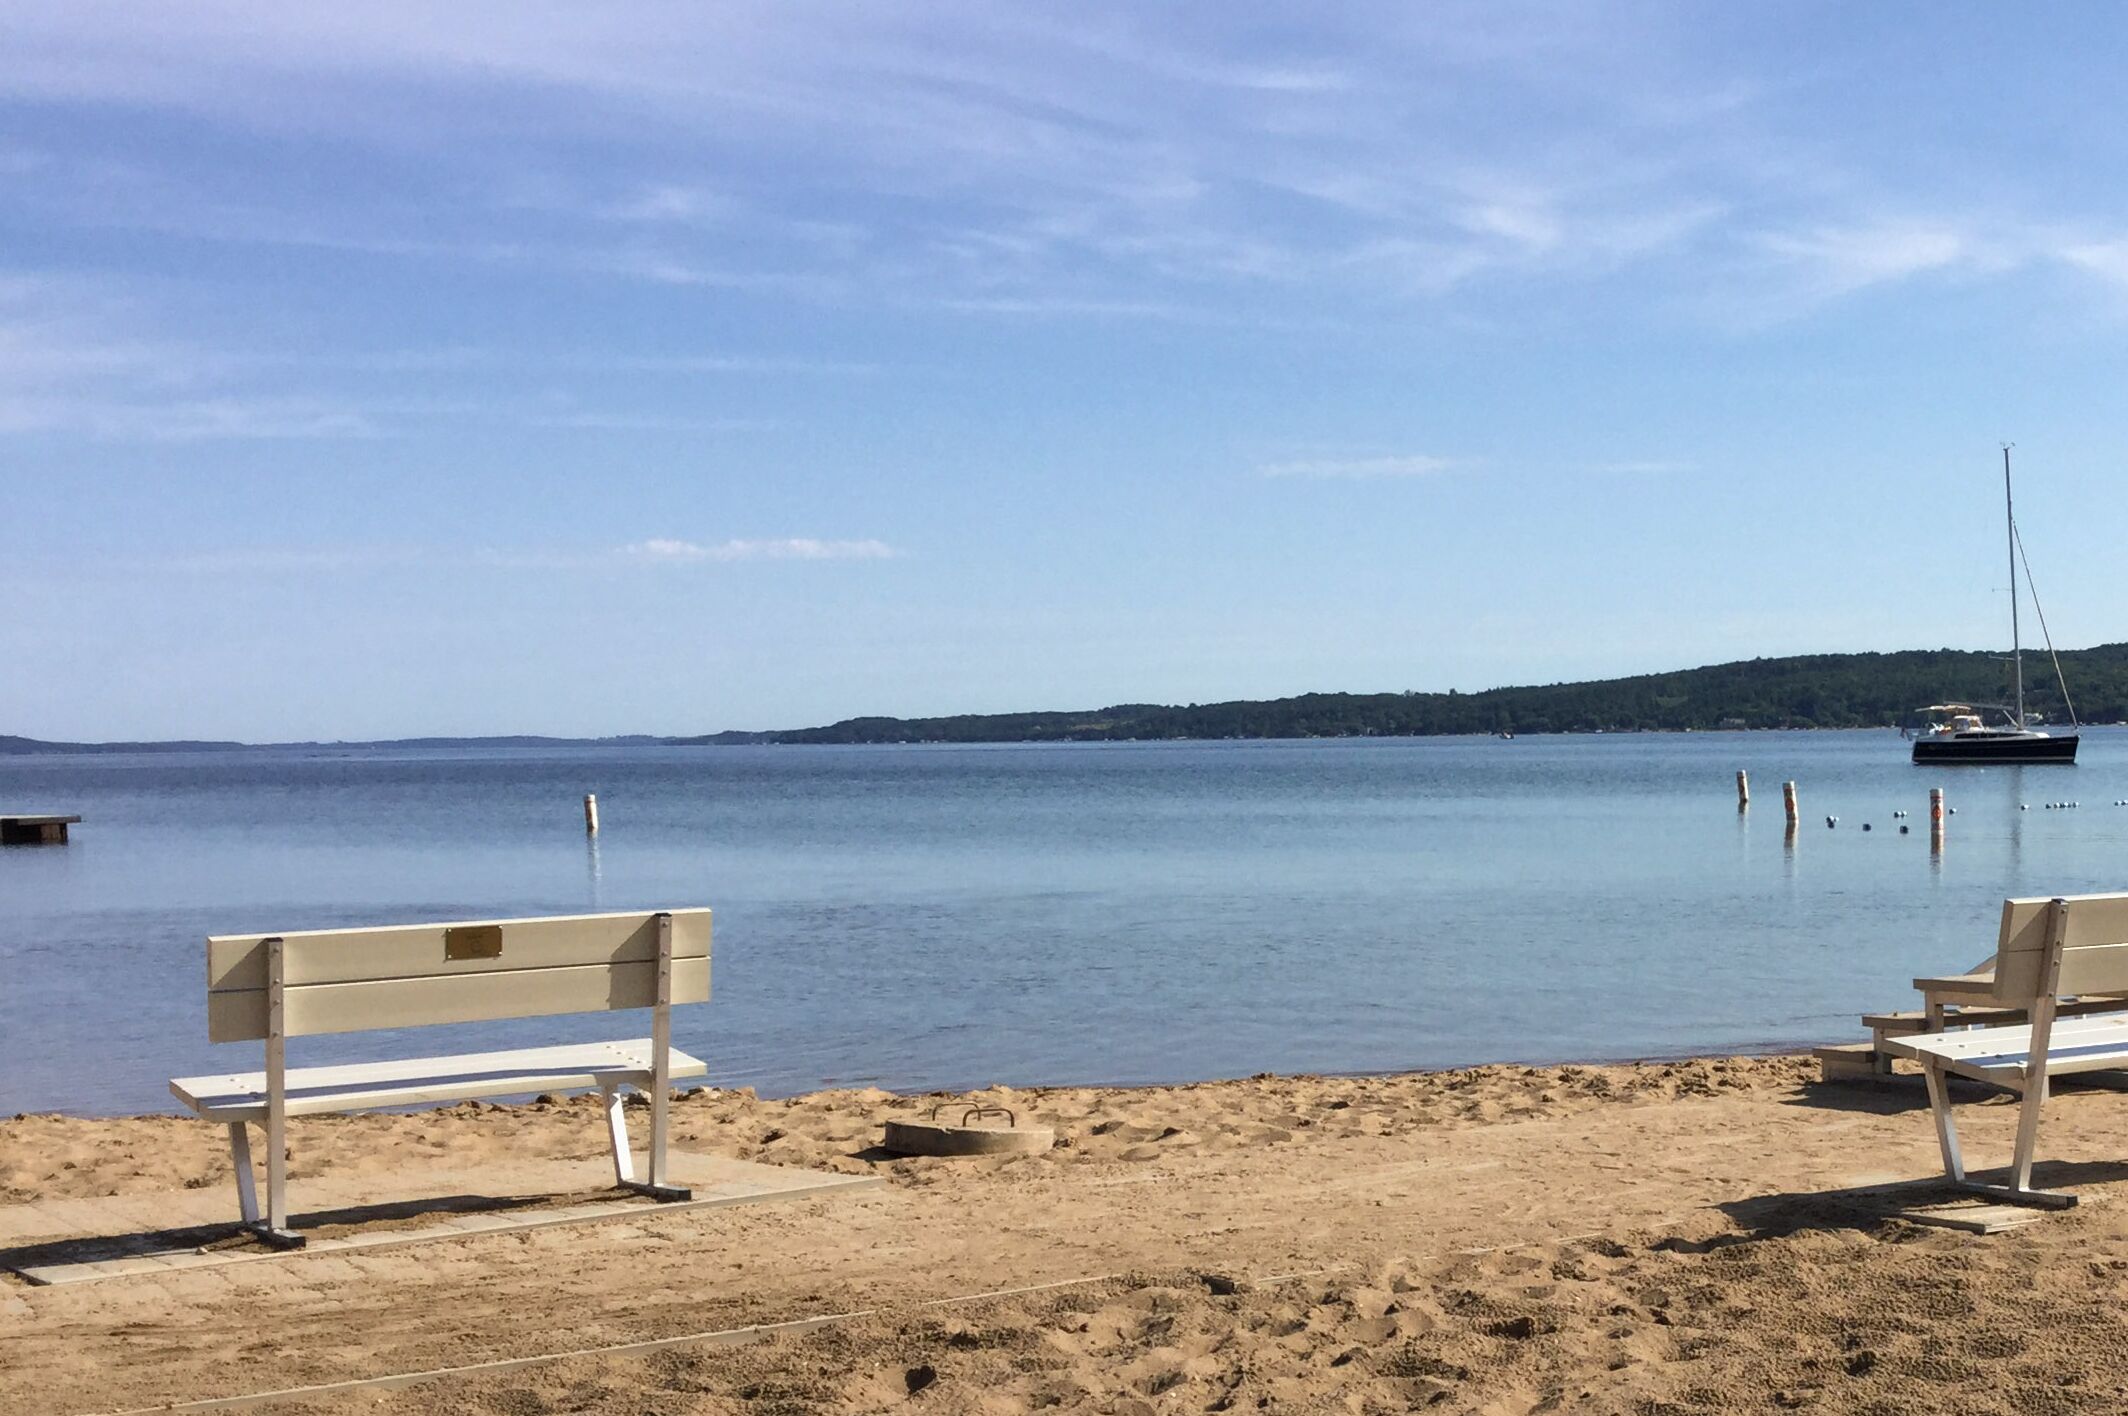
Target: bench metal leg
x=617, y=1130
x=247, y=1191
x=2019, y=1191
x=275, y=1230
x=274, y=1238
x=2027, y=1132
x=2036, y=1086
x=660, y=1088
x=1939, y=1094
x=624, y=1160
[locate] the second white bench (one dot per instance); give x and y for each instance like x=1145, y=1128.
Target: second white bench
x=2077, y=945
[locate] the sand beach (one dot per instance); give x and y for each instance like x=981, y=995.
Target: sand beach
x=1706, y=1235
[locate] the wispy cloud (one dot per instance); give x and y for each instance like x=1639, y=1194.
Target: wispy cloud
x=1644, y=467
x=598, y=421
x=75, y=360
x=1833, y=261
x=673, y=202
x=1361, y=468
x=294, y=560
x=2107, y=260
x=988, y=160
x=804, y=548
x=237, y=419
x=454, y=358
x=657, y=550
x=1039, y=306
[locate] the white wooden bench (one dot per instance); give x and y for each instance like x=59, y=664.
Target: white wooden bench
x=2075, y=945
x=274, y=987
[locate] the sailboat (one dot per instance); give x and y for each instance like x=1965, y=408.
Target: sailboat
x=1957, y=732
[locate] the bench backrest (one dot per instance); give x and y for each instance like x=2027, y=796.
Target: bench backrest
x=2091, y=932
x=398, y=976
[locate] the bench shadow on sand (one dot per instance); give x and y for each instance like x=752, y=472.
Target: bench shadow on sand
x=232, y=1237
x=1866, y=1207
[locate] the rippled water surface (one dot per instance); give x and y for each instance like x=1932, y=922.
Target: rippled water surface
x=928, y=916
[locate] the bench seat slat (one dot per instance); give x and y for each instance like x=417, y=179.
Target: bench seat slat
x=2097, y=1042
x=241, y=1096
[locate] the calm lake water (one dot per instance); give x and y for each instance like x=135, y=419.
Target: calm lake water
x=914, y=917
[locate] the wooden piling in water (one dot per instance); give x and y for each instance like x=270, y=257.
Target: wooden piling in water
x=1935, y=816
x=1788, y=803
x=590, y=814
x=1743, y=789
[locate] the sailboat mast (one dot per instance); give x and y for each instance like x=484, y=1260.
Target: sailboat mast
x=2017, y=658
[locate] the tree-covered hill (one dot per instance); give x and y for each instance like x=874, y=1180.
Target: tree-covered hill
x=1807, y=691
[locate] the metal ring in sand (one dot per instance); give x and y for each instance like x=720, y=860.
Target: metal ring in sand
x=935, y=1137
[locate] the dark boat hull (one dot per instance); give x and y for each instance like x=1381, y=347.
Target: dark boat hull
x=2000, y=749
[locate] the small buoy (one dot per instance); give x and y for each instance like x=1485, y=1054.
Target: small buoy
x=1865, y=825
x=2021, y=806
x=1952, y=810
x=1831, y=821
x=1903, y=830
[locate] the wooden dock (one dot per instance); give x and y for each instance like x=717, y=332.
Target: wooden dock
x=35, y=830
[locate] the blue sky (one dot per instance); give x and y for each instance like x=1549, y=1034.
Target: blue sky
x=392, y=369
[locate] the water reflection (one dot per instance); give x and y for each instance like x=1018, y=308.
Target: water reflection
x=2012, y=803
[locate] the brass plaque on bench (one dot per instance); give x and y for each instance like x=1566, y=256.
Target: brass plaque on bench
x=473, y=941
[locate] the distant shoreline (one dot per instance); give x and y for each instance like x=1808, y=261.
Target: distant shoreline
x=31, y=747
x=1814, y=691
